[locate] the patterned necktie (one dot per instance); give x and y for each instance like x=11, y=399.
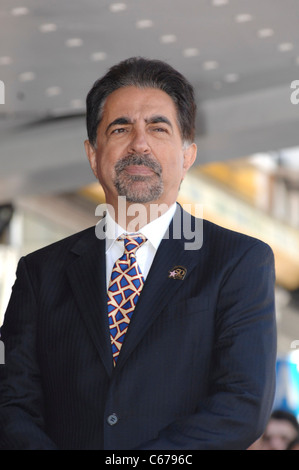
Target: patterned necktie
x=123, y=292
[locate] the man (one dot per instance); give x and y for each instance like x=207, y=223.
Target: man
x=191, y=364
x=282, y=429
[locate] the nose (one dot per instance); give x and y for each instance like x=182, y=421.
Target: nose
x=139, y=142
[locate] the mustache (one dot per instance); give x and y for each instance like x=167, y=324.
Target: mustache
x=138, y=159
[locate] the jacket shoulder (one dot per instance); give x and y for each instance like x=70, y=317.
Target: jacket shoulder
x=63, y=246
x=231, y=240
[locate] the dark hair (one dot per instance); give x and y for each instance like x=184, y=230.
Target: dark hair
x=294, y=443
x=286, y=416
x=143, y=73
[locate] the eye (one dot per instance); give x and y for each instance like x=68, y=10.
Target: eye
x=160, y=129
x=118, y=130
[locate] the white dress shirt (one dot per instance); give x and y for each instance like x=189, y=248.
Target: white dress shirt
x=154, y=232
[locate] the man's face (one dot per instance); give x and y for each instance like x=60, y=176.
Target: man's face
x=139, y=152
x=278, y=435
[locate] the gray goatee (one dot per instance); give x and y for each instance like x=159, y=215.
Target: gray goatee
x=138, y=188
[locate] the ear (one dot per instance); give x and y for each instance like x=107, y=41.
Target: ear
x=190, y=153
x=91, y=155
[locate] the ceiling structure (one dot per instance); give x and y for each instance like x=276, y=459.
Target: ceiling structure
x=241, y=56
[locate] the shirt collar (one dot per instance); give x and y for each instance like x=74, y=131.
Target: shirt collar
x=153, y=231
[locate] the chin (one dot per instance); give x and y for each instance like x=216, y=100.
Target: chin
x=141, y=192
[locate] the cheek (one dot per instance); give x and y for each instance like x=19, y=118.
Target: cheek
x=105, y=172
x=173, y=172
x=105, y=162
x=174, y=163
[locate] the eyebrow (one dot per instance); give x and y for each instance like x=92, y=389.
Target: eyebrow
x=118, y=121
x=157, y=119
x=152, y=120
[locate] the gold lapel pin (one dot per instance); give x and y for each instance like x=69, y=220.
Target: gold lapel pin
x=178, y=272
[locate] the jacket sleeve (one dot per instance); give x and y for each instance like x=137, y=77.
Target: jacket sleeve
x=242, y=381
x=21, y=399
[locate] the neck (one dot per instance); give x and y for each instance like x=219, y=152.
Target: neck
x=133, y=216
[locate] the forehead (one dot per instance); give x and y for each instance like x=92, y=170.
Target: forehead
x=138, y=102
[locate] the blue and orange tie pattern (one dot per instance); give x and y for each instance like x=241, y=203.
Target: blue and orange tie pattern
x=124, y=290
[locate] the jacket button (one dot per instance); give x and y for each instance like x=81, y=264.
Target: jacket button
x=112, y=419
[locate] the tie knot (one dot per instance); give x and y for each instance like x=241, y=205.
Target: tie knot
x=132, y=242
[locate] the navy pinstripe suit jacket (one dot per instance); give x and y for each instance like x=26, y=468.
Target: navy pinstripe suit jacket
x=197, y=367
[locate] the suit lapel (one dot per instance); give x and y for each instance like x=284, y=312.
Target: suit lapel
x=87, y=276
x=159, y=288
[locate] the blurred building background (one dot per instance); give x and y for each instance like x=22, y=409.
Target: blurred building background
x=242, y=58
